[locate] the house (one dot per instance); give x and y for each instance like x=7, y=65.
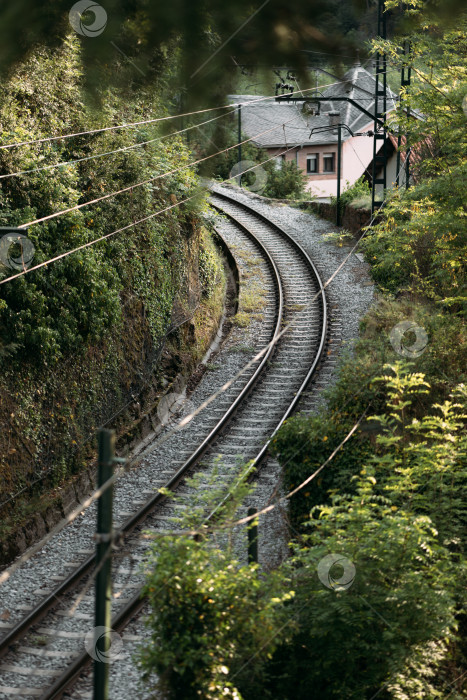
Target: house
x=310, y=139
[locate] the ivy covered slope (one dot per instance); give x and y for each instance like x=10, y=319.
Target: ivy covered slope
x=79, y=337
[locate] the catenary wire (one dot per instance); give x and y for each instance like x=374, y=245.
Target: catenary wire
x=153, y=121
x=132, y=124
x=118, y=150
x=78, y=207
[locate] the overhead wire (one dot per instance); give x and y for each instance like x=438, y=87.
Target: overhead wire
x=145, y=122
x=77, y=207
x=118, y=150
x=128, y=125
x=126, y=189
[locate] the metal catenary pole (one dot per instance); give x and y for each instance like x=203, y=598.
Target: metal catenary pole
x=406, y=74
x=380, y=135
x=103, y=564
x=339, y=167
x=239, y=142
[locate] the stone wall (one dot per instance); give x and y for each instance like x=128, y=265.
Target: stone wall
x=352, y=219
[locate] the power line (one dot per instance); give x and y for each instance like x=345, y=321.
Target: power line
x=127, y=125
x=150, y=121
x=118, y=150
x=108, y=235
x=109, y=128
x=145, y=143
x=77, y=207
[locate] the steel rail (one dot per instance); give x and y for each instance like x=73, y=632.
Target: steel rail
x=324, y=318
x=315, y=364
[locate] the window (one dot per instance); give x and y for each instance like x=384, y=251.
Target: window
x=278, y=160
x=328, y=162
x=312, y=163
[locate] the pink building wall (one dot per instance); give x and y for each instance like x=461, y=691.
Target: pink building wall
x=356, y=155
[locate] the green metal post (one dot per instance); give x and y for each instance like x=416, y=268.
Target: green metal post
x=103, y=563
x=252, y=539
x=239, y=142
x=339, y=166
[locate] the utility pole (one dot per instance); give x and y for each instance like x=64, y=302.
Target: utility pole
x=406, y=74
x=239, y=142
x=102, y=641
x=380, y=156
x=252, y=539
x=339, y=167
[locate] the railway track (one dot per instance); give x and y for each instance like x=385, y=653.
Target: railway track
x=43, y=653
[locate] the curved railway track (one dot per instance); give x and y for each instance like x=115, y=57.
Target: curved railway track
x=249, y=414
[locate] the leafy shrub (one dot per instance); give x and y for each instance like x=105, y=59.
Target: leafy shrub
x=398, y=515
x=210, y=616
x=303, y=444
x=286, y=182
x=353, y=643
x=419, y=244
x=359, y=192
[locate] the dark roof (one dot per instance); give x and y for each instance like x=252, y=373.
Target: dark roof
x=359, y=85
x=274, y=123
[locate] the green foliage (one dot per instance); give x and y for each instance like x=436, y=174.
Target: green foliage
x=68, y=306
x=394, y=513
x=356, y=193
x=352, y=642
x=303, y=444
x=210, y=615
x=424, y=461
x=419, y=243
x=147, y=32
x=208, y=262
x=398, y=514
x=286, y=182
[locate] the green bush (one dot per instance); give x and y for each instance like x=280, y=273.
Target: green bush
x=286, y=182
x=359, y=641
x=398, y=514
x=419, y=244
x=357, y=194
x=213, y=621
x=303, y=444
